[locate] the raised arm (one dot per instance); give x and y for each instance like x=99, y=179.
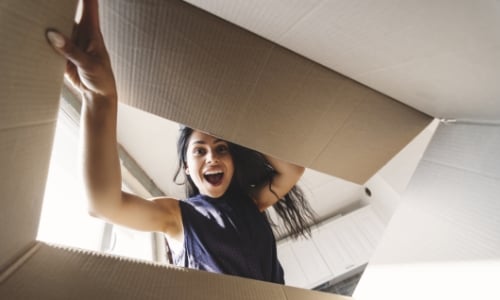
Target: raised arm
x=287, y=175
x=89, y=69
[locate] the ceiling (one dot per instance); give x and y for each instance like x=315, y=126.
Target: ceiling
x=440, y=57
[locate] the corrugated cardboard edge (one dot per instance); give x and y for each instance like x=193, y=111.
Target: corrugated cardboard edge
x=83, y=274
x=18, y=263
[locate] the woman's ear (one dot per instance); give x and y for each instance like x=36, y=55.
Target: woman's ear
x=186, y=170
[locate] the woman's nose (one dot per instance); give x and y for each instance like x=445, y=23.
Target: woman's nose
x=212, y=157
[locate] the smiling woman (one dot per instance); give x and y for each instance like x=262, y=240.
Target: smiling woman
x=228, y=188
x=221, y=226
x=209, y=164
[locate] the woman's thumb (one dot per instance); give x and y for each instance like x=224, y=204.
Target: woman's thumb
x=66, y=48
x=55, y=39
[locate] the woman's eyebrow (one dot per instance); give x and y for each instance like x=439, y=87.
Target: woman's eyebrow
x=204, y=142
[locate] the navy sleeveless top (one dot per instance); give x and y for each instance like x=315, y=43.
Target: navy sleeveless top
x=228, y=235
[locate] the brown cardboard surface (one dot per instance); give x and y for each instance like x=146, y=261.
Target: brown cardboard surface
x=29, y=96
x=181, y=63
x=24, y=164
x=75, y=274
x=29, y=67
x=366, y=139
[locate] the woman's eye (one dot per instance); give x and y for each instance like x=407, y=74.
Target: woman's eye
x=222, y=149
x=199, y=151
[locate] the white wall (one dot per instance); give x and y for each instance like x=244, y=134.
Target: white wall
x=443, y=241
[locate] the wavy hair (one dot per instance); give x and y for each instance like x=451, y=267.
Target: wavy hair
x=251, y=172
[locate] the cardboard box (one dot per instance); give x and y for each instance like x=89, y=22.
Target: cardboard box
x=444, y=236
x=29, y=97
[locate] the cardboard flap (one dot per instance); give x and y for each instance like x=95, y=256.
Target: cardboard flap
x=75, y=274
x=443, y=241
x=30, y=84
x=293, y=293
x=181, y=63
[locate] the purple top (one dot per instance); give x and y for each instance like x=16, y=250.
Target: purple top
x=228, y=235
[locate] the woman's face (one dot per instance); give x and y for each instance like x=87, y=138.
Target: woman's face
x=209, y=164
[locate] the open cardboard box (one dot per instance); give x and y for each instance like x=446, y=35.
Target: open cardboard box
x=213, y=76
x=284, y=91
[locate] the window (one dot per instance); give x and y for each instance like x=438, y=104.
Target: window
x=64, y=219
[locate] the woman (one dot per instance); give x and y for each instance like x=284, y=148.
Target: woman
x=220, y=228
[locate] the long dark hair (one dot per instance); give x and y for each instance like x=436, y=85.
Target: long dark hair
x=251, y=172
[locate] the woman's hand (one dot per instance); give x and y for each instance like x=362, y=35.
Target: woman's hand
x=286, y=176
x=88, y=66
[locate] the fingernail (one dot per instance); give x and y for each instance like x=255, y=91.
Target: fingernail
x=55, y=39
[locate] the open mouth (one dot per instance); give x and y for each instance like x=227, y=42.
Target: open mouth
x=214, y=178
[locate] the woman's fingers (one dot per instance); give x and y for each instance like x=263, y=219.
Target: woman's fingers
x=88, y=65
x=87, y=33
x=66, y=48
x=90, y=17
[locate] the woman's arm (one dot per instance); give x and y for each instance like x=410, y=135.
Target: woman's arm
x=287, y=175
x=102, y=175
x=89, y=69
